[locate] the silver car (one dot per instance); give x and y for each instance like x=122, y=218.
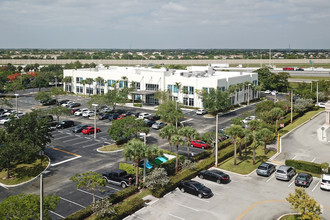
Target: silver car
x=285, y=173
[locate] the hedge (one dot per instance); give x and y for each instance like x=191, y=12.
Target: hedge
x=169, y=165
x=127, y=208
x=129, y=168
x=304, y=165
x=81, y=214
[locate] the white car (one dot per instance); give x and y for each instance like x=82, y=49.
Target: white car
x=274, y=92
x=201, y=112
x=267, y=92
x=325, y=182
x=88, y=113
x=68, y=103
x=4, y=120
x=321, y=104
x=248, y=119
x=144, y=115
x=80, y=111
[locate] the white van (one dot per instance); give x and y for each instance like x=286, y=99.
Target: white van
x=325, y=182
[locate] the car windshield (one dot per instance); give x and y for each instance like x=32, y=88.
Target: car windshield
x=262, y=167
x=280, y=171
x=198, y=186
x=301, y=177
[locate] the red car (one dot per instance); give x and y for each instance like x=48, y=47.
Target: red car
x=200, y=144
x=90, y=130
x=121, y=116
x=74, y=110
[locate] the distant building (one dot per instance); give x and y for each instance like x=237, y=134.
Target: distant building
x=149, y=80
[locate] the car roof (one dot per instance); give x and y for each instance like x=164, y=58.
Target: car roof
x=326, y=176
x=283, y=167
x=303, y=174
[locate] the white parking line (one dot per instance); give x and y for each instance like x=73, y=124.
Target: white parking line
x=57, y=214
x=70, y=140
x=270, y=178
x=294, y=157
x=313, y=159
x=188, y=207
x=194, y=197
x=64, y=161
x=316, y=185
x=72, y=202
x=291, y=183
x=90, y=145
x=80, y=142
x=175, y=216
x=112, y=188
x=90, y=193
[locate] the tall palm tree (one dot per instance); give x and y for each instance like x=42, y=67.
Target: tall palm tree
x=190, y=133
x=178, y=86
x=68, y=80
x=136, y=150
x=253, y=126
x=99, y=80
x=83, y=82
x=89, y=81
x=276, y=113
x=266, y=135
x=167, y=132
x=125, y=79
x=234, y=132
x=177, y=140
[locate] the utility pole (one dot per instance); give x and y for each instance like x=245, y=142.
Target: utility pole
x=216, y=139
x=41, y=196
x=291, y=106
x=317, y=92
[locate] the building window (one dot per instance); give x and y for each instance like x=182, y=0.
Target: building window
x=255, y=82
x=121, y=84
x=206, y=89
x=111, y=83
x=79, y=79
x=175, y=98
x=185, y=101
x=185, y=90
x=191, y=102
x=77, y=89
x=170, y=88
x=191, y=90
x=137, y=85
x=125, y=84
x=223, y=89
x=153, y=87
x=175, y=89
x=137, y=97
x=89, y=90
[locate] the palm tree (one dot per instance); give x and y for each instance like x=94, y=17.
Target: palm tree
x=99, y=80
x=177, y=140
x=190, y=133
x=276, y=113
x=234, y=132
x=67, y=80
x=125, y=79
x=253, y=126
x=136, y=150
x=83, y=82
x=266, y=135
x=178, y=86
x=167, y=132
x=89, y=81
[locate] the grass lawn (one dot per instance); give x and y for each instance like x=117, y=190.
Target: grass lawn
x=307, y=116
x=289, y=217
x=309, y=77
x=23, y=172
x=111, y=147
x=244, y=165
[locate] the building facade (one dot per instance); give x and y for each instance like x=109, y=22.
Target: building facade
x=183, y=84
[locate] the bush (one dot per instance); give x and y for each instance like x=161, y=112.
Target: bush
x=127, y=208
x=122, y=194
x=137, y=104
x=81, y=214
x=304, y=165
x=169, y=165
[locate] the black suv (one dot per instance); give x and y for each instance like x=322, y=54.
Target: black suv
x=65, y=124
x=49, y=102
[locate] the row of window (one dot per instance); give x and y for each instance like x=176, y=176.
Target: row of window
x=185, y=89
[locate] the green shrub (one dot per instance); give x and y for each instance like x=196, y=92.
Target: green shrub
x=127, y=208
x=169, y=165
x=137, y=104
x=81, y=214
x=122, y=194
x=304, y=165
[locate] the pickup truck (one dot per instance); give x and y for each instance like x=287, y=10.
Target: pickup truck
x=119, y=177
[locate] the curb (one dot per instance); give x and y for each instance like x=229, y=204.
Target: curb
x=11, y=186
x=286, y=215
x=108, y=152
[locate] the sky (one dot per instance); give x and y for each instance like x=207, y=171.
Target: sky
x=162, y=24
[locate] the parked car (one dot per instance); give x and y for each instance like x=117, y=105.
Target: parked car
x=67, y=103
x=63, y=102
x=49, y=117
x=201, y=112
x=106, y=110
x=65, y=124
x=267, y=92
x=149, y=123
x=325, y=182
x=73, y=110
x=90, y=130
x=119, y=177
x=73, y=105
x=144, y=115
x=153, y=117
x=103, y=116
x=88, y=113
x=113, y=117
x=266, y=169
x=80, y=111
x=248, y=119
x=4, y=120
x=285, y=173
x=321, y=104
x=214, y=175
x=303, y=179
x=48, y=102
x=158, y=125
x=199, y=144
x=121, y=116
x=274, y=92
x=79, y=128
x=195, y=188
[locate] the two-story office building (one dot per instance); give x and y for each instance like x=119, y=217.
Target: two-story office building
x=148, y=80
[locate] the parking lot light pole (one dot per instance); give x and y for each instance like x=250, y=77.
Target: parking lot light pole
x=291, y=106
x=248, y=102
x=56, y=81
x=16, y=103
x=95, y=106
x=216, y=139
x=176, y=114
x=144, y=160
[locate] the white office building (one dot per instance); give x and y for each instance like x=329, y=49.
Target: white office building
x=148, y=81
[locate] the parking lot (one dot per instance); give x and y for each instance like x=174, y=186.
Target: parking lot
x=245, y=197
